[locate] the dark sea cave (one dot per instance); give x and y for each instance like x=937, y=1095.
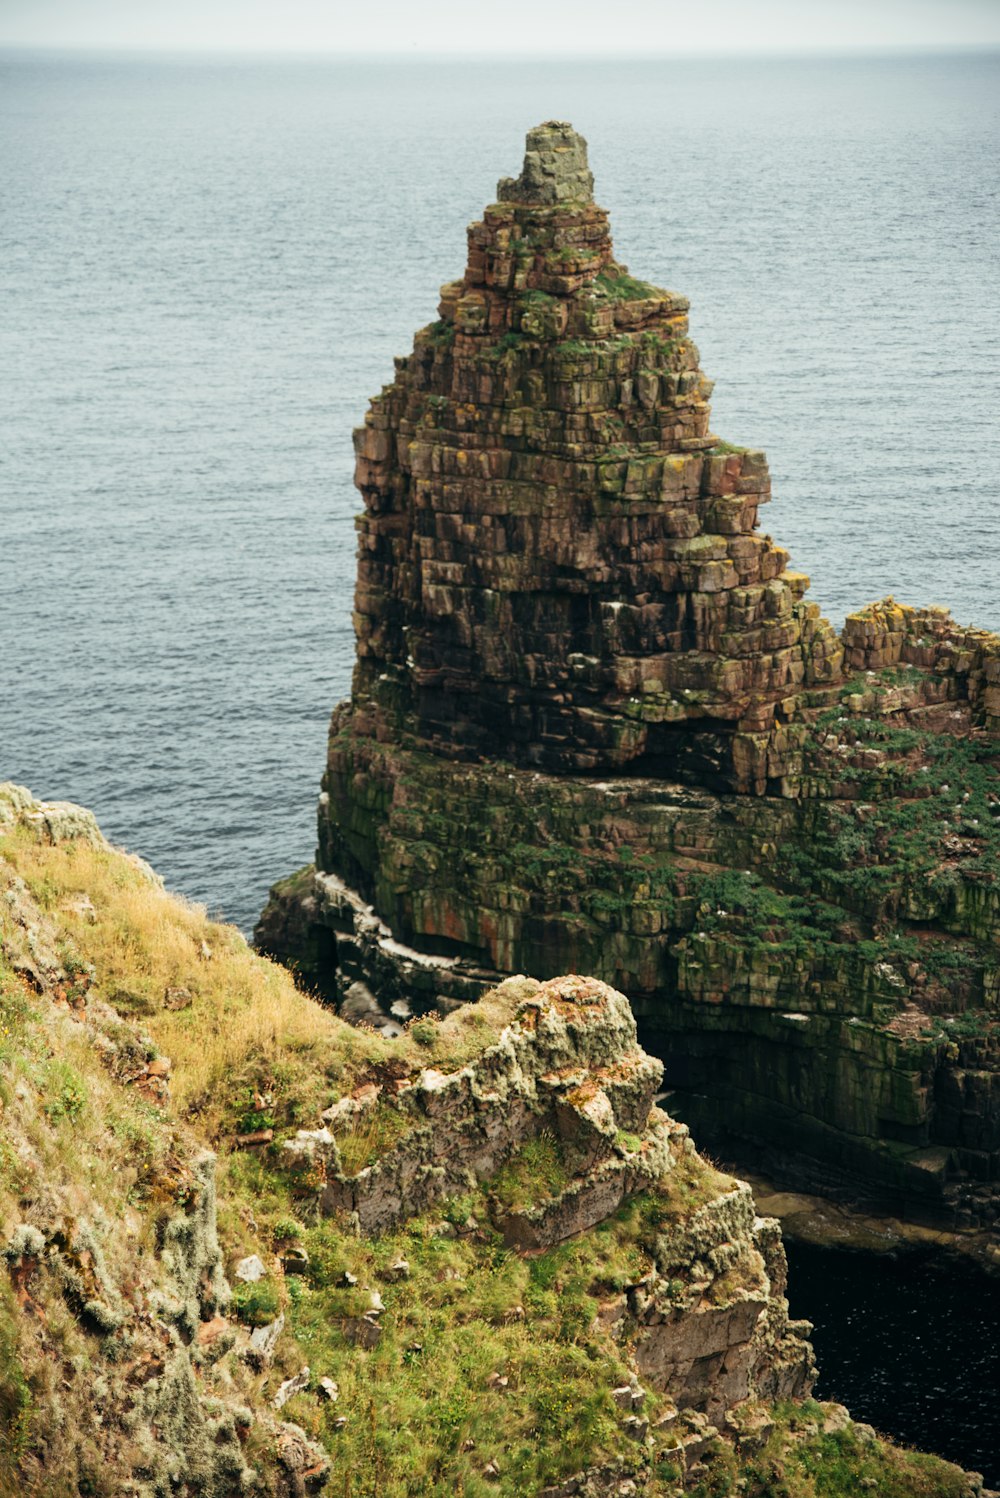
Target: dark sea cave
x=910, y=1342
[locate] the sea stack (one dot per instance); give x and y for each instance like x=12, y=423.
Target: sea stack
x=596, y=726
x=559, y=564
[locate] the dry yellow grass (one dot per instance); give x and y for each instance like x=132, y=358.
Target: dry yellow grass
x=249, y=1046
x=247, y=1025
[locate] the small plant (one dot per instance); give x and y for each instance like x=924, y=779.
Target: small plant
x=623, y=288
x=254, y=1114
x=67, y=1095
x=256, y=1304
x=506, y=345
x=284, y=1229
x=424, y=1031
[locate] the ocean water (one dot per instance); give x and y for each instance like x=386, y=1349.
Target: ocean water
x=910, y=1343
x=206, y=268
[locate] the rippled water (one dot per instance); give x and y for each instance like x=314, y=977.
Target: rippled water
x=206, y=268
x=910, y=1344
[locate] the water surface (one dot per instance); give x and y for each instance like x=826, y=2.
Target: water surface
x=910, y=1343
x=206, y=268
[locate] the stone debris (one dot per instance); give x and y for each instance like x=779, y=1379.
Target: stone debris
x=250, y=1269
x=290, y=1387
x=304, y=1459
x=263, y=1341
x=294, y=1259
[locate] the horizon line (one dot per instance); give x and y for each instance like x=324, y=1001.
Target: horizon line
x=328, y=54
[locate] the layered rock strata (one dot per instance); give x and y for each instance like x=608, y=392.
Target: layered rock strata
x=559, y=565
x=713, y=1328
x=596, y=726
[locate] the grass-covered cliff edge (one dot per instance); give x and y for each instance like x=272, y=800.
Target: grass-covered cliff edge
x=248, y=1249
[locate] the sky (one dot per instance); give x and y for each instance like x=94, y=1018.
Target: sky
x=536, y=28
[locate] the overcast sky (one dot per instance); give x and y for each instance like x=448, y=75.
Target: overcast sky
x=532, y=27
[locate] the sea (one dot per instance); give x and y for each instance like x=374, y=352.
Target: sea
x=207, y=265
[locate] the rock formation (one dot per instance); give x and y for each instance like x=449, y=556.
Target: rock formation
x=596, y=726
x=476, y=1258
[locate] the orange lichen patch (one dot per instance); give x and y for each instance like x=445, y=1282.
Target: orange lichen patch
x=578, y=1097
x=572, y=994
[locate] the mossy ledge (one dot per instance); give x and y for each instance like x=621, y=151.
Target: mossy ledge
x=596, y=725
x=249, y=1249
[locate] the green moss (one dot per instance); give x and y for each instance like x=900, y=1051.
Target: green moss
x=802, y=1461
x=623, y=288
x=508, y=343
x=535, y=1172
x=441, y=334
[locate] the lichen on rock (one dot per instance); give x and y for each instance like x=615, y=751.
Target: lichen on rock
x=596, y=725
x=550, y=1292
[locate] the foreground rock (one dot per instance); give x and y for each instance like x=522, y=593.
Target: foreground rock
x=596, y=726
x=506, y=1265
x=109, y=1380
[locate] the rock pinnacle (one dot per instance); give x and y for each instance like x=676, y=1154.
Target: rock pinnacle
x=555, y=168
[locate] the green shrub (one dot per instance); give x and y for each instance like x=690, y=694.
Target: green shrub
x=256, y=1304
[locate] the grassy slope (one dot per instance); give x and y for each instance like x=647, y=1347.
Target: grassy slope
x=425, y=1410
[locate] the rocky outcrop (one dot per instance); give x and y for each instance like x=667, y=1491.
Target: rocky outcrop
x=713, y=1328
x=596, y=725
x=568, y=1062
x=106, y=1382
x=477, y=1254
x=559, y=564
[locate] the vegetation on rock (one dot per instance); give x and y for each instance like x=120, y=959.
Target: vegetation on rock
x=596, y=725
x=159, y=1086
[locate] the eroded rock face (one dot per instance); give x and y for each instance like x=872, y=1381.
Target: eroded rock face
x=713, y=1327
x=568, y=1062
x=559, y=564
x=138, y=1322
x=595, y=726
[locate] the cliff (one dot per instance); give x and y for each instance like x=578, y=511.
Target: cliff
x=597, y=726
x=249, y=1249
